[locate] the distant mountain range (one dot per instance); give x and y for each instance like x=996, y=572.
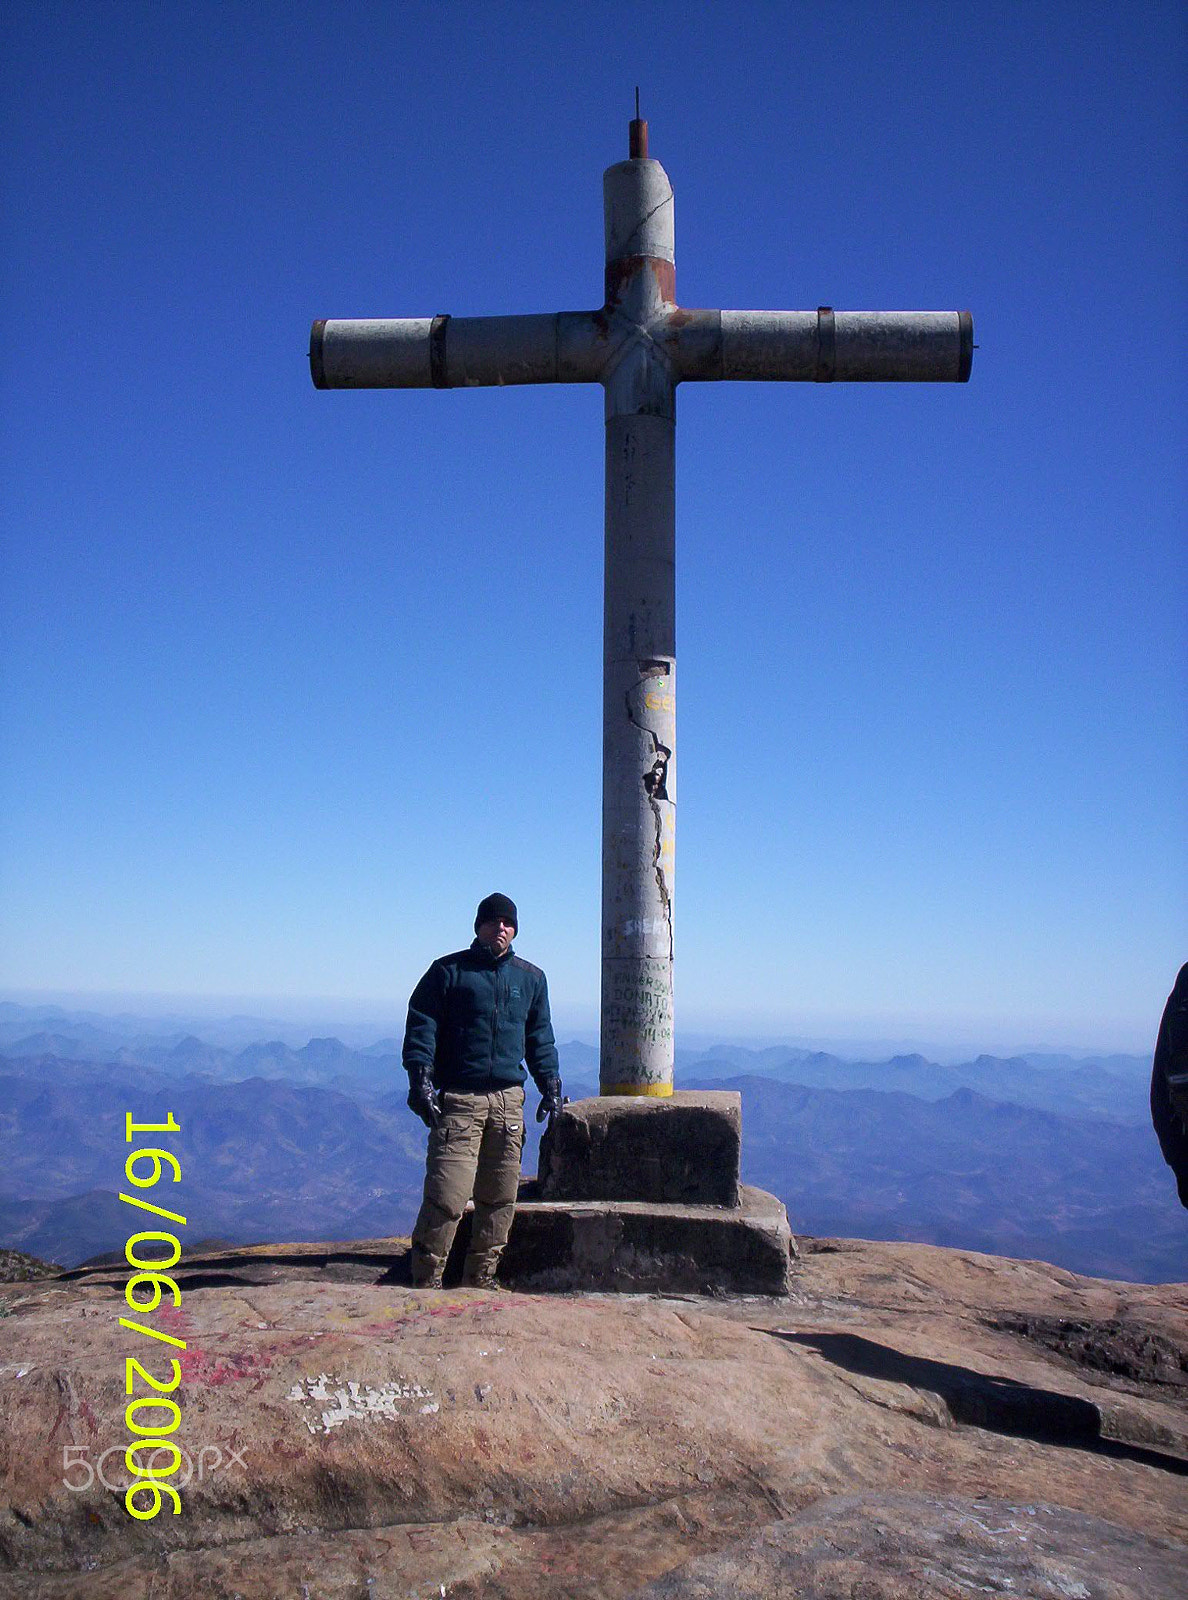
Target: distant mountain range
x=321, y=1061
x=968, y=1171
x=103, y=1033
x=1113, y=1086
x=1035, y=1156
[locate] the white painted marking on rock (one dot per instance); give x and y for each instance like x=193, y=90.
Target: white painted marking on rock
x=355, y=1401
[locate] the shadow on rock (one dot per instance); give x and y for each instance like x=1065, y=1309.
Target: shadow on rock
x=982, y=1400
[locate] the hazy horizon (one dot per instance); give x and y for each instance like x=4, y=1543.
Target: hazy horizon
x=958, y=1040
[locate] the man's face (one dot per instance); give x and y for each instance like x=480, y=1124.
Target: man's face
x=496, y=935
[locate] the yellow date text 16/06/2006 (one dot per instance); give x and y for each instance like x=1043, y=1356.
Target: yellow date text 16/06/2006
x=143, y=1293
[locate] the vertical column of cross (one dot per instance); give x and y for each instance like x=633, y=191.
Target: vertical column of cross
x=639, y=637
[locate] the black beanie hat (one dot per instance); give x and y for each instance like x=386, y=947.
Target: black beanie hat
x=497, y=906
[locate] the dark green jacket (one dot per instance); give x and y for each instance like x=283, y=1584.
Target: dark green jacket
x=473, y=1020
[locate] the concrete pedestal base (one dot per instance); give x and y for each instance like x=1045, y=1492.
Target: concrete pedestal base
x=683, y=1150
x=641, y=1194
x=639, y=1246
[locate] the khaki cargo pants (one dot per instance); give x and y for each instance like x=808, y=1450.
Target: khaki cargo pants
x=474, y=1149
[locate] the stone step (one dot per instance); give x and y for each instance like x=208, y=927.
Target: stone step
x=636, y=1246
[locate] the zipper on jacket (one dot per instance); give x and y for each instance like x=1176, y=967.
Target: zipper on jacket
x=495, y=1022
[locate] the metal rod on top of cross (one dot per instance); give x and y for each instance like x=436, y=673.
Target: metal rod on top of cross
x=639, y=344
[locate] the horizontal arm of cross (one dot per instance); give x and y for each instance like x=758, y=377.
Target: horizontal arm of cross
x=454, y=352
x=825, y=346
x=585, y=346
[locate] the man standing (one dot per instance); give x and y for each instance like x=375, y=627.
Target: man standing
x=473, y=1019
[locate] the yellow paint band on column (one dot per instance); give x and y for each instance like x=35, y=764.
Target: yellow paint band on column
x=657, y=1091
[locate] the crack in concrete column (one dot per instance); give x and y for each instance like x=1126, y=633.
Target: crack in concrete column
x=655, y=787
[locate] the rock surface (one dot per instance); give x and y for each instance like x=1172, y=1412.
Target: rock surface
x=17, y=1267
x=876, y=1546
x=910, y=1421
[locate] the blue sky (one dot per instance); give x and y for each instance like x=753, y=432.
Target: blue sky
x=291, y=679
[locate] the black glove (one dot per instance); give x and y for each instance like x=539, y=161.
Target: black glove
x=550, y=1098
x=422, y=1098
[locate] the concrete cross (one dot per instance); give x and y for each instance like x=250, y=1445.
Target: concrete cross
x=639, y=345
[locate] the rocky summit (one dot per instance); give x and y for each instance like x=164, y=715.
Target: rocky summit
x=909, y=1421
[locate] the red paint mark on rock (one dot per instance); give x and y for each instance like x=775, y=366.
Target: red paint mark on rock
x=57, y=1422
x=172, y=1319
x=216, y=1370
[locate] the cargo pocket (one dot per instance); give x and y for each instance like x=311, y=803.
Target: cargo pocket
x=513, y=1117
